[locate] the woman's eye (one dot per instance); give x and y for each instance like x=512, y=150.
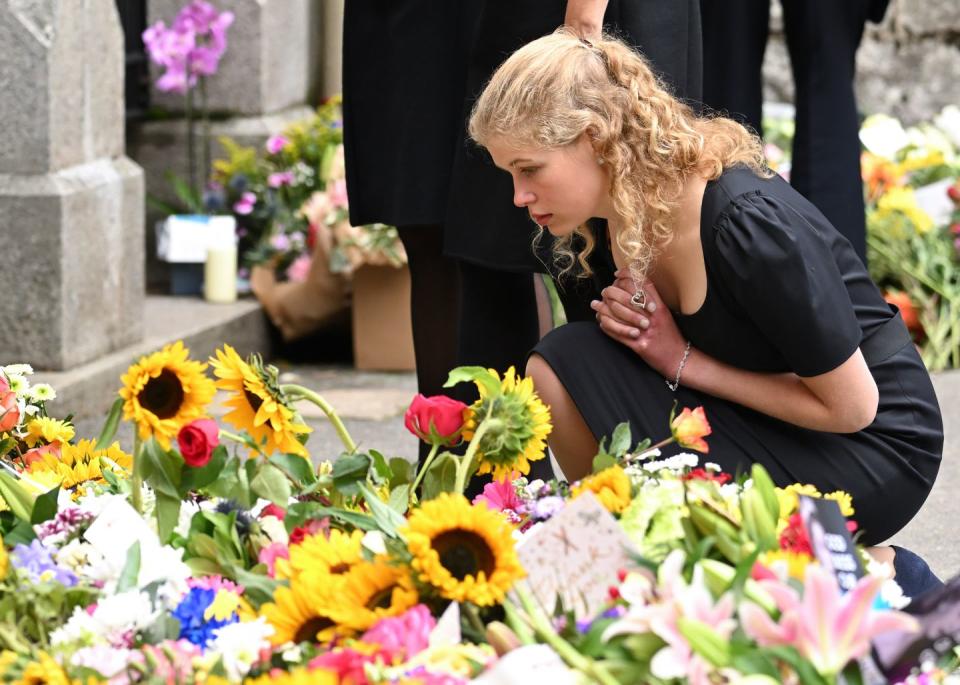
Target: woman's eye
x=529, y=171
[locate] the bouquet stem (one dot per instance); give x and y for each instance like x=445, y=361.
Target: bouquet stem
x=136, y=478
x=296, y=392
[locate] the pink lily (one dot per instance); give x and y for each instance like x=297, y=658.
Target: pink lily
x=828, y=627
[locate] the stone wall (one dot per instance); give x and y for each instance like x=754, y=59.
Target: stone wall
x=908, y=66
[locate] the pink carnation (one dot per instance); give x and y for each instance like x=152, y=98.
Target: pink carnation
x=501, y=496
x=402, y=637
x=270, y=554
x=346, y=663
x=215, y=583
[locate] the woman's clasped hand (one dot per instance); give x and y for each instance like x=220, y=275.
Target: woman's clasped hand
x=650, y=331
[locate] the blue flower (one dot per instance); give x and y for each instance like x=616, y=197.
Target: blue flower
x=190, y=612
x=37, y=561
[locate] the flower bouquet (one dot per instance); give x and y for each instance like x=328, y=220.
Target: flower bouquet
x=226, y=553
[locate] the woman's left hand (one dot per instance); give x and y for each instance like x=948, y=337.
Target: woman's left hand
x=651, y=332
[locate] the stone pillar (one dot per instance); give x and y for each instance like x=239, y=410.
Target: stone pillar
x=71, y=204
x=268, y=78
x=332, y=82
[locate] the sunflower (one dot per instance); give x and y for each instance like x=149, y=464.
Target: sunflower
x=297, y=676
x=371, y=591
x=165, y=391
x=44, y=671
x=611, y=486
x=301, y=612
x=333, y=555
x=466, y=552
x=259, y=406
x=48, y=430
x=82, y=463
x=520, y=424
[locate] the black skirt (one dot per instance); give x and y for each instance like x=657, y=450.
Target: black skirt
x=482, y=224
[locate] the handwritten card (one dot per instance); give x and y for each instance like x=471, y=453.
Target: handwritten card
x=576, y=555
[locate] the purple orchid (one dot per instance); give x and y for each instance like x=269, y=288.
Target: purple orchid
x=191, y=47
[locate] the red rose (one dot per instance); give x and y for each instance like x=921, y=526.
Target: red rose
x=436, y=420
x=197, y=441
x=9, y=411
x=311, y=527
x=273, y=510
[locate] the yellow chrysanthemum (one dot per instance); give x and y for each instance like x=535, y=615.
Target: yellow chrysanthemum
x=519, y=428
x=611, y=486
x=788, y=498
x=844, y=500
x=43, y=671
x=301, y=612
x=466, y=552
x=903, y=202
x=371, y=591
x=7, y=659
x=165, y=391
x=298, y=676
x=258, y=406
x=81, y=463
x=464, y=659
x=335, y=554
x=46, y=429
x=795, y=563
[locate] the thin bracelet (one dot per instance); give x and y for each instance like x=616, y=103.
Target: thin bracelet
x=683, y=362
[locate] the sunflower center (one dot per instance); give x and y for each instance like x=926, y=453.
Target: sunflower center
x=254, y=400
x=464, y=553
x=382, y=599
x=308, y=631
x=162, y=395
x=340, y=568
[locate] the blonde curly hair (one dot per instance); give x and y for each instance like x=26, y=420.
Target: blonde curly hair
x=557, y=88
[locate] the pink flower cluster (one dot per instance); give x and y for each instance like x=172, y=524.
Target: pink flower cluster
x=191, y=47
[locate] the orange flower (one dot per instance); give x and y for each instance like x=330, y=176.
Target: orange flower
x=879, y=174
x=690, y=428
x=907, y=310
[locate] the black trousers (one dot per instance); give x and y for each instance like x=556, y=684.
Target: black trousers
x=822, y=37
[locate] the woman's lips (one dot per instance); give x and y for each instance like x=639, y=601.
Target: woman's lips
x=541, y=219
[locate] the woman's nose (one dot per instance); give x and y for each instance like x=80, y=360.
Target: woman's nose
x=521, y=197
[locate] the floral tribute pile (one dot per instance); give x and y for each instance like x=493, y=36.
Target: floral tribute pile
x=226, y=553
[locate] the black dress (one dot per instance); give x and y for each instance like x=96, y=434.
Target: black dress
x=404, y=80
x=785, y=293
x=482, y=225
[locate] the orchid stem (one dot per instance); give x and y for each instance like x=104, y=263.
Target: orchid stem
x=299, y=392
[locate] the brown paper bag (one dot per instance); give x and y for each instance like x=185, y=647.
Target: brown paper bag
x=300, y=308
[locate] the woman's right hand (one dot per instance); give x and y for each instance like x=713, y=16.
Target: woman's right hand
x=585, y=17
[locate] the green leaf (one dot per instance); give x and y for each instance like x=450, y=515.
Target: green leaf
x=620, y=441
x=45, y=506
x=763, y=484
x=228, y=484
x=388, y=520
x=196, y=478
x=400, y=468
x=271, y=484
x=190, y=197
x=603, y=461
x=202, y=545
x=110, y=425
x=131, y=569
x=6, y=445
x=442, y=477
x=705, y=641
x=201, y=566
x=300, y=512
x=475, y=374
x=18, y=500
x=400, y=499
x=804, y=669
x=298, y=467
x=380, y=466
x=168, y=514
x=348, y=470
x=258, y=588
x=161, y=469
x=20, y=533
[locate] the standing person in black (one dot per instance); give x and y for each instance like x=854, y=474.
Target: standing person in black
x=491, y=238
x=732, y=292
x=822, y=37
x=404, y=80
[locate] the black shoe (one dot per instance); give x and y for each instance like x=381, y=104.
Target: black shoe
x=913, y=574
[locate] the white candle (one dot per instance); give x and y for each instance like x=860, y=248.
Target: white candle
x=220, y=274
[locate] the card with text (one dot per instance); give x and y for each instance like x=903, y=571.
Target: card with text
x=576, y=555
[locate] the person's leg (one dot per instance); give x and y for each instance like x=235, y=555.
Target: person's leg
x=823, y=36
x=434, y=308
x=571, y=441
x=734, y=40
